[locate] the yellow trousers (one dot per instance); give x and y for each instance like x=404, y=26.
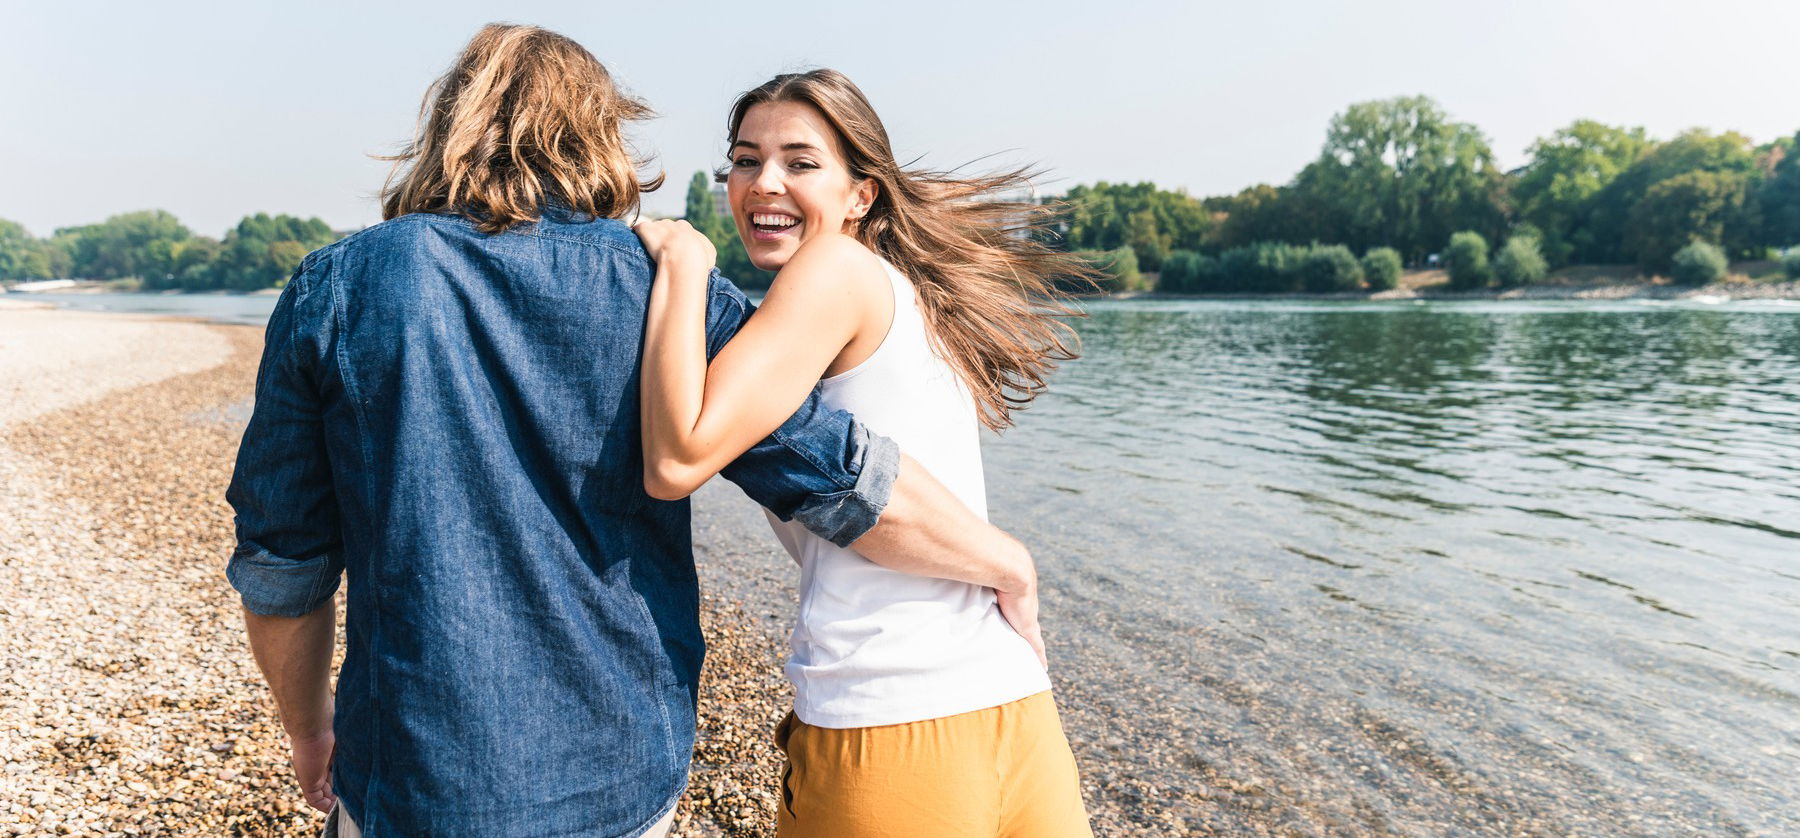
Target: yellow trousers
x=1003, y=772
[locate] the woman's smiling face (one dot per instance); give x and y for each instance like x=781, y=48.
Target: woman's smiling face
x=789, y=181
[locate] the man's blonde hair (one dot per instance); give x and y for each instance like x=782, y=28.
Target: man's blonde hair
x=524, y=117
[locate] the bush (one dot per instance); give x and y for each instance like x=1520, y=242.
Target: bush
x=1118, y=269
x=1262, y=268
x=1236, y=268
x=1187, y=272
x=1520, y=262
x=1791, y=263
x=1330, y=268
x=1698, y=264
x=1280, y=268
x=1467, y=260
x=1381, y=268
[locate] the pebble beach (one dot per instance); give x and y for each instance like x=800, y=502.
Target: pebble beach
x=130, y=705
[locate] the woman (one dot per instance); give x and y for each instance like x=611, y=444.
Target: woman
x=927, y=312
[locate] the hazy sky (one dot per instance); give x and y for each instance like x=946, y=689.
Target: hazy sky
x=216, y=110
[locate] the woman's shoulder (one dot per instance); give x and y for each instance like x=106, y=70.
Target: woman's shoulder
x=834, y=265
x=838, y=252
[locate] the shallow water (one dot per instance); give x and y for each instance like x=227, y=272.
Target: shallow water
x=1429, y=568
x=239, y=309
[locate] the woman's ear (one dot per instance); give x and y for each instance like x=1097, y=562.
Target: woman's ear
x=866, y=190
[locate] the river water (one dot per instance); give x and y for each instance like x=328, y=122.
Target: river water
x=1411, y=568
x=1445, y=568
x=237, y=309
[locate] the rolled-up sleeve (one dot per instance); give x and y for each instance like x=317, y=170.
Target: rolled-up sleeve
x=288, y=558
x=822, y=467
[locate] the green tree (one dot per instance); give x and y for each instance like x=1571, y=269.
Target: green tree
x=1519, y=262
x=1781, y=196
x=132, y=244
x=17, y=248
x=194, y=264
x=1694, y=206
x=1555, y=191
x=1609, y=224
x=1381, y=268
x=1466, y=257
x=1151, y=221
x=259, y=252
x=1142, y=237
x=1256, y=214
x=1398, y=172
x=1790, y=263
x=286, y=254
x=1698, y=263
x=699, y=205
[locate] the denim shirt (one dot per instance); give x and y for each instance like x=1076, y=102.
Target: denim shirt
x=451, y=419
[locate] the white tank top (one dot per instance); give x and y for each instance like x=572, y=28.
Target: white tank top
x=874, y=646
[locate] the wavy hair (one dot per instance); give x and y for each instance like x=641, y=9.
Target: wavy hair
x=987, y=285
x=524, y=117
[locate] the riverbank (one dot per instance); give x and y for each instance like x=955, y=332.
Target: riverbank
x=131, y=705
x=1747, y=281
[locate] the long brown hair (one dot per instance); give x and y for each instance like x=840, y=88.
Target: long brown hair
x=986, y=284
x=522, y=118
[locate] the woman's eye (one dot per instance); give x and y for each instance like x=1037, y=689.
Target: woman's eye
x=744, y=162
x=804, y=164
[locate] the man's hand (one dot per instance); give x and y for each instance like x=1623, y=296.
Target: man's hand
x=295, y=656
x=1020, y=608
x=312, y=768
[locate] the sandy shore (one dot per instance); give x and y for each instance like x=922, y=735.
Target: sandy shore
x=130, y=704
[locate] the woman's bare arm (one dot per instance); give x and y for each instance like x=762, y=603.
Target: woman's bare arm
x=926, y=531
x=698, y=418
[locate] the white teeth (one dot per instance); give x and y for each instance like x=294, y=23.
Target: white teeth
x=771, y=220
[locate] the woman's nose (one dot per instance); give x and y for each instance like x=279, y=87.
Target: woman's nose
x=768, y=181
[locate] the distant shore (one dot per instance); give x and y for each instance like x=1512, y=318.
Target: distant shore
x=1580, y=282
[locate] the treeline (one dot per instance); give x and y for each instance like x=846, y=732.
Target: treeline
x=1394, y=178
x=154, y=247
x=1399, y=174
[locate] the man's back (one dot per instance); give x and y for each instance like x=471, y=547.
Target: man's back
x=452, y=419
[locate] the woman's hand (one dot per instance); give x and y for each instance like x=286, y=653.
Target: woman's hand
x=1020, y=608
x=676, y=246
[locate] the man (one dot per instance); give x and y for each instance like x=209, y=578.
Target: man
x=446, y=412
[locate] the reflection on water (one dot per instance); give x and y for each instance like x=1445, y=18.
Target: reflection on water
x=1434, y=567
